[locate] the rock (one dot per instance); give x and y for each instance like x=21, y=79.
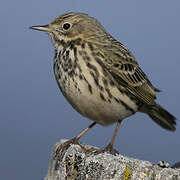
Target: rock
x=75, y=163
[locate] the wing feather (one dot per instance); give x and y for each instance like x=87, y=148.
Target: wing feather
x=126, y=71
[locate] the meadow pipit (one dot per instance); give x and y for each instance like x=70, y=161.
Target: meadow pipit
x=99, y=76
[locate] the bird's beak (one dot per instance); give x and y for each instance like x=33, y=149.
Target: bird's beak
x=44, y=28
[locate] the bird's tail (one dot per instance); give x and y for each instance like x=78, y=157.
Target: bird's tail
x=162, y=117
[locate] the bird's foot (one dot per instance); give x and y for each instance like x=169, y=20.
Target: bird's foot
x=109, y=148
x=63, y=147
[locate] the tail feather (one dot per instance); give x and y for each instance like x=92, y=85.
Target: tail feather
x=162, y=117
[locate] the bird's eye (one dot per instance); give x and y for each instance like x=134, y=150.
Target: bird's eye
x=66, y=26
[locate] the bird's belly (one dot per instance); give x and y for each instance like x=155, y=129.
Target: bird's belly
x=96, y=103
x=94, y=108
x=90, y=91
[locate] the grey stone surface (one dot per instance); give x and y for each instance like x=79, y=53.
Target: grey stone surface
x=75, y=163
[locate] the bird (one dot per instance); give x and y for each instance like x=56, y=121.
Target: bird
x=99, y=76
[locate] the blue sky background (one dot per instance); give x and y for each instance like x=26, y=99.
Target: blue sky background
x=33, y=113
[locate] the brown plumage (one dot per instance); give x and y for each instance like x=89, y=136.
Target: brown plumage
x=98, y=75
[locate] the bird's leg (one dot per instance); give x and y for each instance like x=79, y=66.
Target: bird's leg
x=74, y=140
x=109, y=147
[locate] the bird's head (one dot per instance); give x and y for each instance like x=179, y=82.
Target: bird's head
x=72, y=26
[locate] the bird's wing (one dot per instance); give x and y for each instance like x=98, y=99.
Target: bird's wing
x=122, y=65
